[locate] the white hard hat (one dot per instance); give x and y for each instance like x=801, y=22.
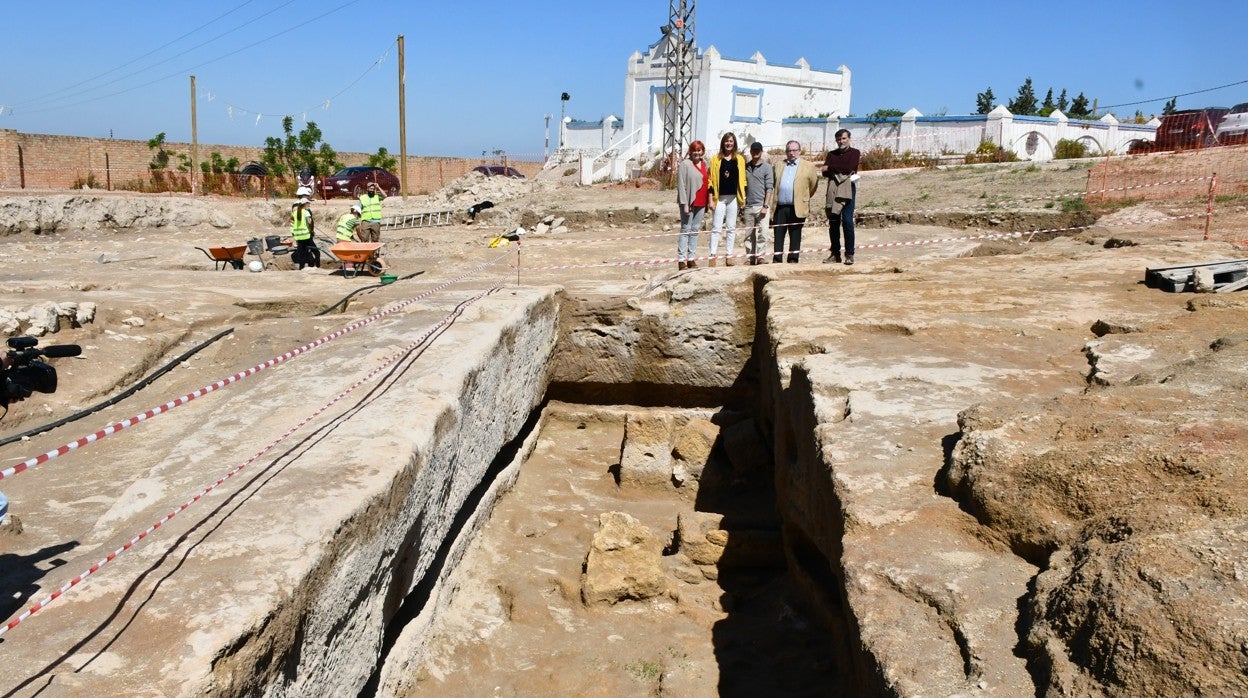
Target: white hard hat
x=256, y=265
x=357, y=208
x=303, y=200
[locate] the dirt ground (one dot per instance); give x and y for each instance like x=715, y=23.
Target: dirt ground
x=156, y=295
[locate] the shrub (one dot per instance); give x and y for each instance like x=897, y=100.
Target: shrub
x=89, y=182
x=1068, y=150
x=881, y=158
x=990, y=152
x=1074, y=205
x=877, y=158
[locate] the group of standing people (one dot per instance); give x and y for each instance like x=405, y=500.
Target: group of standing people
x=361, y=223
x=768, y=195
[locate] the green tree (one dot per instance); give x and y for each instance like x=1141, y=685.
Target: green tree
x=984, y=101
x=219, y=165
x=1048, y=105
x=1025, y=103
x=1170, y=107
x=160, y=156
x=1062, y=102
x=880, y=114
x=383, y=159
x=1079, y=108
x=295, y=152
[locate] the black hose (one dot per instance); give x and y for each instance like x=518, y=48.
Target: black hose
x=120, y=396
x=347, y=297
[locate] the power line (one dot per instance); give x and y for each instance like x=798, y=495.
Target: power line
x=139, y=58
x=1185, y=94
x=185, y=71
x=231, y=109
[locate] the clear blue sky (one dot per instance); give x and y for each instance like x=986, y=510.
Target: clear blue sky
x=482, y=74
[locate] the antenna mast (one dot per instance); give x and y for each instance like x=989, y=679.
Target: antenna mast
x=678, y=116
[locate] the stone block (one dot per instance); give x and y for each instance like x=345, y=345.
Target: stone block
x=625, y=561
x=646, y=455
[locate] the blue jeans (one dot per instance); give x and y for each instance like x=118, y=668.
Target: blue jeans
x=690, y=225
x=844, y=220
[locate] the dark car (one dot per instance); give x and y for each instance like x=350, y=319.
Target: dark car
x=1189, y=128
x=353, y=181
x=498, y=171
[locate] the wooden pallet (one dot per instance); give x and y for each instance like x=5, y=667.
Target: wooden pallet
x=1179, y=279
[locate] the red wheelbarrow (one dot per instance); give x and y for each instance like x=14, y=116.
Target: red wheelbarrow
x=225, y=257
x=358, y=257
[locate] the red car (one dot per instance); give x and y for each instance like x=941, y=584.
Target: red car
x=1189, y=128
x=353, y=181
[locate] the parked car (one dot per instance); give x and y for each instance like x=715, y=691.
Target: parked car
x=1234, y=127
x=1189, y=128
x=499, y=171
x=353, y=181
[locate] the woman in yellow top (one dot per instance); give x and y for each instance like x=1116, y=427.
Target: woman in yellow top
x=727, y=189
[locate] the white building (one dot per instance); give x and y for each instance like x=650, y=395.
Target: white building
x=750, y=98
x=774, y=104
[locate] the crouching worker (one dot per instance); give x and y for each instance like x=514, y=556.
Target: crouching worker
x=302, y=229
x=347, y=223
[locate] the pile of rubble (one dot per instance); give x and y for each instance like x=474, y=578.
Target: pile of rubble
x=44, y=318
x=474, y=187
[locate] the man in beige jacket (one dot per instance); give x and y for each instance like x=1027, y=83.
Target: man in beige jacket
x=796, y=181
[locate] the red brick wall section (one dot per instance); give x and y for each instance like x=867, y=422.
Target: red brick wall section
x=34, y=161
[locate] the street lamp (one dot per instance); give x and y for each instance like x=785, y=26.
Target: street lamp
x=563, y=101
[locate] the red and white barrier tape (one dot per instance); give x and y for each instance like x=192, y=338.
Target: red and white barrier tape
x=878, y=245
x=161, y=409
x=395, y=358
x=994, y=207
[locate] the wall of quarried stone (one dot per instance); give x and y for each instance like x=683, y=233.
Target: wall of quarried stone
x=35, y=161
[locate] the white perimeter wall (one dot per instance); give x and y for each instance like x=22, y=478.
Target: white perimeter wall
x=1029, y=137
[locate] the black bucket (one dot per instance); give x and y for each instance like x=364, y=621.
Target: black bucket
x=254, y=246
x=271, y=241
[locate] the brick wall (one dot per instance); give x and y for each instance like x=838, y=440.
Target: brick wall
x=41, y=161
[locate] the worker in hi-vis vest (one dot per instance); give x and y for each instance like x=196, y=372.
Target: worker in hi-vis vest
x=370, y=214
x=301, y=229
x=347, y=223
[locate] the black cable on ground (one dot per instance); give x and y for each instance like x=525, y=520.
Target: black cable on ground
x=120, y=396
x=347, y=297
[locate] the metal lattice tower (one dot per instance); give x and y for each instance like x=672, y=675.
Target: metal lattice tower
x=678, y=112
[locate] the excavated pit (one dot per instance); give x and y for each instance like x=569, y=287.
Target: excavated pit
x=617, y=434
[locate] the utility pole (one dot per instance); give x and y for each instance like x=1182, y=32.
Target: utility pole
x=678, y=116
x=402, y=122
x=546, y=151
x=194, y=140
x=563, y=100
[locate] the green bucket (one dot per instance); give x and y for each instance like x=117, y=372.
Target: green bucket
x=388, y=278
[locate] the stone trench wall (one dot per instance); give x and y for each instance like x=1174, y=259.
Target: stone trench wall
x=895, y=627
x=326, y=638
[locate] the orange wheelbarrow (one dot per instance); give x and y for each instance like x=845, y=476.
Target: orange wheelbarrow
x=225, y=257
x=358, y=257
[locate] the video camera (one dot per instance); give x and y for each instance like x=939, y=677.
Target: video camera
x=26, y=374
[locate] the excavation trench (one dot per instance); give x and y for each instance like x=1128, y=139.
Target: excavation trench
x=653, y=411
